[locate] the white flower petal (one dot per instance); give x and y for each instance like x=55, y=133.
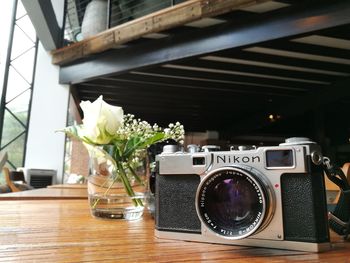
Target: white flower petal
x=101, y=120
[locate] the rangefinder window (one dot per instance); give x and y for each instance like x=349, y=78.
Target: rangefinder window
x=198, y=161
x=279, y=158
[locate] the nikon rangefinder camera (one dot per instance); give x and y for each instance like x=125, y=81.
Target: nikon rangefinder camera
x=265, y=197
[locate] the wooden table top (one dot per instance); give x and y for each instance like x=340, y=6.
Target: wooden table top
x=64, y=231
x=46, y=193
x=68, y=186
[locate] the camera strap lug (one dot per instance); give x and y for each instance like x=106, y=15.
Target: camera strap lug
x=339, y=219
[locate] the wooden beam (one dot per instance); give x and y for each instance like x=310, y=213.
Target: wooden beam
x=207, y=41
x=167, y=18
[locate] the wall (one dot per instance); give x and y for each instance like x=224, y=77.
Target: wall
x=45, y=147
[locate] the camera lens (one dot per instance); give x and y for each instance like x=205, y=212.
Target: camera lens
x=232, y=202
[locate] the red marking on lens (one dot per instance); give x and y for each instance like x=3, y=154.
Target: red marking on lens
x=277, y=185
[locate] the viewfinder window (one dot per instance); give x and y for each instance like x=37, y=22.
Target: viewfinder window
x=279, y=158
x=198, y=161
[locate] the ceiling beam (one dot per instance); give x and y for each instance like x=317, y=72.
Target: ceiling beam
x=284, y=61
x=182, y=83
x=299, y=21
x=167, y=18
x=250, y=72
x=43, y=17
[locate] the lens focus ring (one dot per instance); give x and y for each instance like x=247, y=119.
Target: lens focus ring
x=232, y=202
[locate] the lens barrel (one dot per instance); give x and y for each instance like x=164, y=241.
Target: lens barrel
x=234, y=202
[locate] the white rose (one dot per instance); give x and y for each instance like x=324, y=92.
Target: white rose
x=101, y=120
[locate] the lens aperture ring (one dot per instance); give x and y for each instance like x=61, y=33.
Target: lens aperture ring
x=232, y=202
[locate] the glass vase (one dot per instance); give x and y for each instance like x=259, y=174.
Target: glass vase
x=115, y=190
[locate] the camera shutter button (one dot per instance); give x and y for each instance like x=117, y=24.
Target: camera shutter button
x=193, y=148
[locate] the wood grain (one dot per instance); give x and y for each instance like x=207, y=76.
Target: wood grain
x=68, y=186
x=47, y=194
x=64, y=231
x=167, y=18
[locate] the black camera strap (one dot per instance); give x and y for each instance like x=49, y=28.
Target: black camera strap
x=339, y=219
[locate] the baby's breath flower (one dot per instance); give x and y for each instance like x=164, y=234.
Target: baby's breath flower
x=142, y=129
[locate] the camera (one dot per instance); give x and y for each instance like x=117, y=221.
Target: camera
x=263, y=197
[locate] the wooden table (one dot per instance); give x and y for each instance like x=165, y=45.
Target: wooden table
x=68, y=186
x=64, y=231
x=46, y=193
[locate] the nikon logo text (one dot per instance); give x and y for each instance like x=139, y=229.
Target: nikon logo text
x=237, y=159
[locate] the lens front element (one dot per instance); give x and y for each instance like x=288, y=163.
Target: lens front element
x=232, y=202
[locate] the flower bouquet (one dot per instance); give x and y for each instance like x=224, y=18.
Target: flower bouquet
x=117, y=145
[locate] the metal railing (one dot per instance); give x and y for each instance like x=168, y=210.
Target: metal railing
x=84, y=18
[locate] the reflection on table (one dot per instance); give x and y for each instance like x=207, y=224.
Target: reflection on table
x=64, y=231
x=47, y=193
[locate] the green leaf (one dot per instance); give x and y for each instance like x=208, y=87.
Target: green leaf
x=131, y=146
x=136, y=143
x=159, y=136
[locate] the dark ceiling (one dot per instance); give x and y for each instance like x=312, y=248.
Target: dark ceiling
x=277, y=79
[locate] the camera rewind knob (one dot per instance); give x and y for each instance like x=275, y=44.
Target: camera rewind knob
x=170, y=148
x=297, y=141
